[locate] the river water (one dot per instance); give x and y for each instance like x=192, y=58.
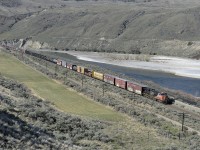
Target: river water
x=185, y=84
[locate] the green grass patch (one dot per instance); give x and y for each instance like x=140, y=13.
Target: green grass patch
x=64, y=99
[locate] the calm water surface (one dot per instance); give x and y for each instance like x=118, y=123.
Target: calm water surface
x=188, y=85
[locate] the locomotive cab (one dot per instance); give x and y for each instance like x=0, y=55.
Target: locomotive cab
x=162, y=97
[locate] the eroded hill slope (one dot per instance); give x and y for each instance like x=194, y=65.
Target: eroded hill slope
x=164, y=27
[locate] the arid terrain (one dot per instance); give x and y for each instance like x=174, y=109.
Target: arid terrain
x=134, y=119
x=164, y=27
x=44, y=105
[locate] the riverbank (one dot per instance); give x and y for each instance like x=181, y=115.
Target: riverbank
x=164, y=79
x=175, y=65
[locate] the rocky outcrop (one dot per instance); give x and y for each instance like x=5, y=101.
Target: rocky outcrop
x=34, y=44
x=25, y=44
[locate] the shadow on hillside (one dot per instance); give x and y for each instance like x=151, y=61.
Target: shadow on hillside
x=13, y=127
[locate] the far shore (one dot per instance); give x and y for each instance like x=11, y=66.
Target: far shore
x=178, y=66
x=175, y=65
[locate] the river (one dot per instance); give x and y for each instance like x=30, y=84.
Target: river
x=185, y=84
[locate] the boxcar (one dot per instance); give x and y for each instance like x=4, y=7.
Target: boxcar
x=64, y=63
x=136, y=87
x=69, y=66
x=80, y=69
x=59, y=62
x=120, y=83
x=109, y=79
x=97, y=75
x=88, y=72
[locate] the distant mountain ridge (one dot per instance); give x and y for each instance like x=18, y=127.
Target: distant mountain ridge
x=163, y=27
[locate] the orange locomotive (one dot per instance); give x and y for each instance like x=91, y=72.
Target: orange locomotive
x=114, y=80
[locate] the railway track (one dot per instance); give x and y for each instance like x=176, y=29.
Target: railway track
x=178, y=108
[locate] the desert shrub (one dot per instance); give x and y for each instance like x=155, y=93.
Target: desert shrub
x=44, y=123
x=19, y=89
x=119, y=104
x=189, y=43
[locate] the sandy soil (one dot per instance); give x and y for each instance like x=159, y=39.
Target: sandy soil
x=178, y=66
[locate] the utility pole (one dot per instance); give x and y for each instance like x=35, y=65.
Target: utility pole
x=94, y=94
x=104, y=88
x=46, y=66
x=168, y=134
x=65, y=76
x=18, y=54
x=66, y=73
x=183, y=116
x=183, y=119
x=82, y=80
x=22, y=54
x=56, y=68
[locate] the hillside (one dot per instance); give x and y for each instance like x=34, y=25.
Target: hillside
x=64, y=99
x=144, y=115
x=155, y=27
x=28, y=122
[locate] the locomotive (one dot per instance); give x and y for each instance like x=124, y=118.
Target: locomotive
x=131, y=86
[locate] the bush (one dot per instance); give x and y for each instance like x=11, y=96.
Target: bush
x=189, y=43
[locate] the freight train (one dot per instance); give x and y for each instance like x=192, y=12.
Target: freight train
x=131, y=86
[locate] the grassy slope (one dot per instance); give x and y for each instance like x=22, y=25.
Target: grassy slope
x=64, y=99
x=128, y=134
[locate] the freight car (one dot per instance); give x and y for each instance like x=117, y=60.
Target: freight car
x=136, y=87
x=41, y=56
x=97, y=75
x=88, y=72
x=69, y=66
x=80, y=69
x=116, y=81
x=109, y=79
x=122, y=83
x=64, y=63
x=59, y=62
